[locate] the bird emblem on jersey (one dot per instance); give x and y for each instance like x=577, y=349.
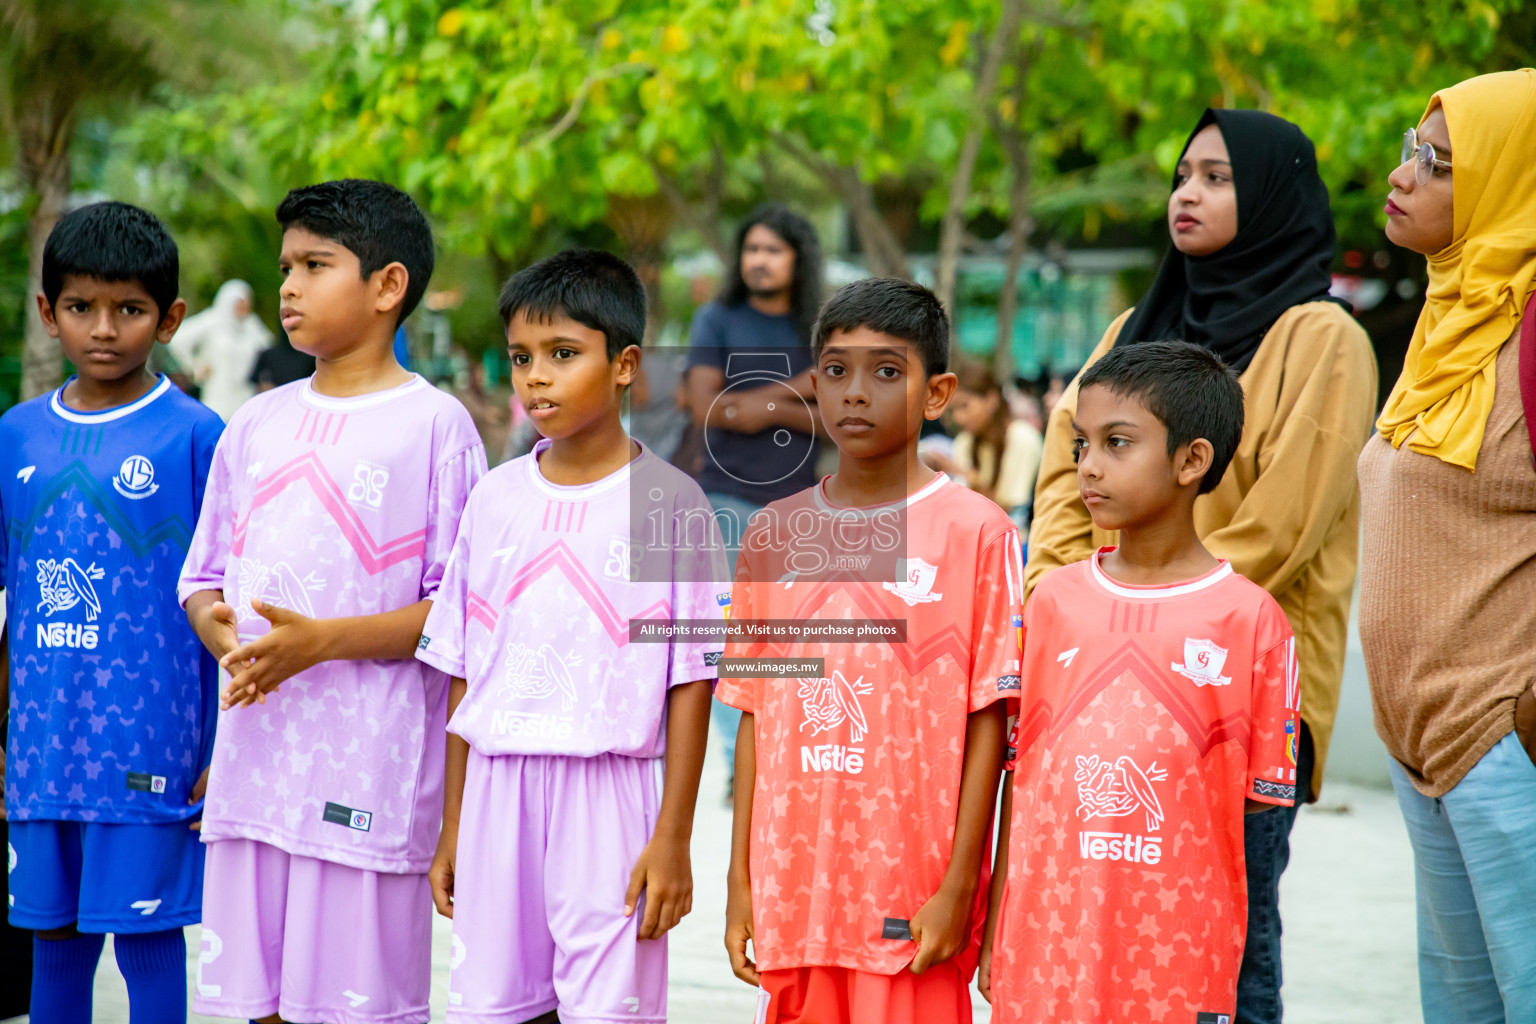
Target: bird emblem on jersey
x=916, y=586
x=64, y=584
x=537, y=674
x=1203, y=662
x=1114, y=789
x=279, y=584
x=828, y=703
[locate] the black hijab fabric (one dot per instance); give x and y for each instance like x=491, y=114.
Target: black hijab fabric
x=1229, y=300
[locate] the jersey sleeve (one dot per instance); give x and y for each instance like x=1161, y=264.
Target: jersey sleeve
x=452, y=481
x=1276, y=703
x=443, y=636
x=700, y=589
x=208, y=553
x=205, y=442
x=998, y=623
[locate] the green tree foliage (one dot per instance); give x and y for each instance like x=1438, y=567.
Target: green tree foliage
x=519, y=122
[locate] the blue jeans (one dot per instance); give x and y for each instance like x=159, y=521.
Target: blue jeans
x=731, y=514
x=1267, y=849
x=1474, y=858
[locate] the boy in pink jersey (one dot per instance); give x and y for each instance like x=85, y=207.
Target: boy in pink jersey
x=865, y=786
x=574, y=761
x=1158, y=704
x=331, y=510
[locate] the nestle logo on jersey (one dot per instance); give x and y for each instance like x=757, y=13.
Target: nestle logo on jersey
x=832, y=757
x=1125, y=846
x=67, y=634
x=531, y=724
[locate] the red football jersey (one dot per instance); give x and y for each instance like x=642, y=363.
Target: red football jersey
x=858, y=770
x=1147, y=715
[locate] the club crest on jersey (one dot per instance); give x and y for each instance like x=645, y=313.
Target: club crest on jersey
x=917, y=586
x=1203, y=662
x=1290, y=740
x=724, y=601
x=135, y=478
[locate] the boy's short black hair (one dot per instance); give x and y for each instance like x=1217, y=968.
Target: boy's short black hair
x=891, y=306
x=592, y=287
x=378, y=222
x=1188, y=388
x=113, y=242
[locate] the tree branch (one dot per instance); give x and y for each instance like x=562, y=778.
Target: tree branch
x=579, y=100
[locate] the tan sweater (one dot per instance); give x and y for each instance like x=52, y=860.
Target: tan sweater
x=1448, y=591
x=1286, y=514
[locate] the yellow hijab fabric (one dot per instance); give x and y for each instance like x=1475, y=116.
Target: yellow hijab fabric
x=1479, y=284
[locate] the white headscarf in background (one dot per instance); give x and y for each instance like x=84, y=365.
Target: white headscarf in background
x=218, y=348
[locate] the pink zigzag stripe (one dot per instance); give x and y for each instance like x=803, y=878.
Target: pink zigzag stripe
x=375, y=556
x=560, y=557
x=481, y=611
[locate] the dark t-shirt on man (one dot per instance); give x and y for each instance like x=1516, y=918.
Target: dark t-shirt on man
x=753, y=350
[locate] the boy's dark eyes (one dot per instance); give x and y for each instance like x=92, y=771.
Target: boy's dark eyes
x=519, y=358
x=832, y=370
x=888, y=372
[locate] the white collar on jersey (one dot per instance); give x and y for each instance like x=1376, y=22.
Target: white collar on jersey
x=329, y=403
x=826, y=505
x=1193, y=586
x=572, y=492
x=107, y=415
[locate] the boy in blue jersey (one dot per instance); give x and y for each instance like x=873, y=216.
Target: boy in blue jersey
x=111, y=696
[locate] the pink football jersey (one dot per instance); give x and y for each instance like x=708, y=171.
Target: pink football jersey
x=536, y=608
x=335, y=507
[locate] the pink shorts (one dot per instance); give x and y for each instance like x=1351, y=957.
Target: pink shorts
x=311, y=940
x=546, y=847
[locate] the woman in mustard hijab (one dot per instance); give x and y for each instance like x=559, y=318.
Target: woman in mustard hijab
x=1448, y=552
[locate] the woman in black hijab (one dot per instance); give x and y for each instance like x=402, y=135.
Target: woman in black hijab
x=1247, y=276
x=1228, y=297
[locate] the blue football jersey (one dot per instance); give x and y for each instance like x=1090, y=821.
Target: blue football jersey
x=112, y=696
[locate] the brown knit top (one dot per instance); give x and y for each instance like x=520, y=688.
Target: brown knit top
x=1448, y=591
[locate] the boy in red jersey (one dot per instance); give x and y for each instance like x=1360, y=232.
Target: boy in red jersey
x=865, y=784
x=1158, y=704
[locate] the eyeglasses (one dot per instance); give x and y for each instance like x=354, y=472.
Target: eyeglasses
x=1423, y=156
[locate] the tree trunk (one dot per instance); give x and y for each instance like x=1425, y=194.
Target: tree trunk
x=703, y=214
x=46, y=168
x=884, y=255
x=1015, y=145
x=1020, y=223
x=643, y=224
x=952, y=228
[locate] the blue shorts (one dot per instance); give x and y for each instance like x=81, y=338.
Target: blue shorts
x=104, y=878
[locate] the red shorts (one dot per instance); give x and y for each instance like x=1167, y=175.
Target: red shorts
x=837, y=995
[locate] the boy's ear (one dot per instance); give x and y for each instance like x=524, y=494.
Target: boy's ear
x=171, y=322
x=626, y=365
x=941, y=388
x=1193, y=460
x=390, y=283
x=45, y=312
